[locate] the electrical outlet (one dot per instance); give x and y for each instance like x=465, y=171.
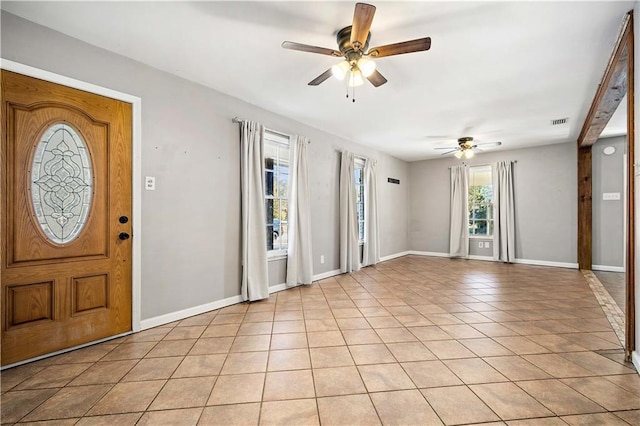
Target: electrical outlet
x=150, y=183
x=322, y=258
x=487, y=244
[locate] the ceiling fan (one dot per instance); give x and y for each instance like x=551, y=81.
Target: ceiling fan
x=353, y=45
x=466, y=147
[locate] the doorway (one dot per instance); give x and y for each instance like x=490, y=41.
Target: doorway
x=617, y=82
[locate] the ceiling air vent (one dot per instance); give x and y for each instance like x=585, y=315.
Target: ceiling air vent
x=559, y=121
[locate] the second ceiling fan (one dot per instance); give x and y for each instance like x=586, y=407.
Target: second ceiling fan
x=353, y=45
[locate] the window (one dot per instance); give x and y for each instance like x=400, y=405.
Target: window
x=480, y=201
x=276, y=187
x=358, y=174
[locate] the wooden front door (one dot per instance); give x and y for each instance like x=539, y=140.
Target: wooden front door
x=66, y=217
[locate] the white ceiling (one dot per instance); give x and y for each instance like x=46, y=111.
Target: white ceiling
x=495, y=71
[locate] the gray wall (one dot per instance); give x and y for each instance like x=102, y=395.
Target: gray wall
x=545, y=202
x=191, y=223
x=608, y=216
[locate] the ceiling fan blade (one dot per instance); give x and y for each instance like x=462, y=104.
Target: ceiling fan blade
x=311, y=49
x=447, y=147
x=377, y=79
x=319, y=79
x=362, y=18
x=488, y=144
x=401, y=48
x=449, y=152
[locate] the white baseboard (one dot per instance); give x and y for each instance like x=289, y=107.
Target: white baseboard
x=428, y=253
x=189, y=312
x=327, y=274
x=547, y=263
x=484, y=258
x=635, y=358
x=393, y=256
x=606, y=268
x=278, y=287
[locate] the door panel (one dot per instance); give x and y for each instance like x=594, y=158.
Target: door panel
x=61, y=287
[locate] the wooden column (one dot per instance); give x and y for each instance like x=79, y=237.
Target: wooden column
x=584, y=207
x=630, y=274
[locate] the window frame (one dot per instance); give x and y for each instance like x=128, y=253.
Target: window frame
x=489, y=219
x=278, y=140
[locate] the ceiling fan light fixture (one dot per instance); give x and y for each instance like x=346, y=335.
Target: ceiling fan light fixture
x=367, y=66
x=356, y=78
x=468, y=153
x=459, y=154
x=340, y=70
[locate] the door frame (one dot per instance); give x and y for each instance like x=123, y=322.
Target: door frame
x=606, y=100
x=136, y=103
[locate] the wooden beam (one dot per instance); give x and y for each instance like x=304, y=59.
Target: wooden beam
x=611, y=90
x=630, y=312
x=584, y=208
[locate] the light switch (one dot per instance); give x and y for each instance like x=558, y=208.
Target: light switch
x=150, y=183
x=610, y=196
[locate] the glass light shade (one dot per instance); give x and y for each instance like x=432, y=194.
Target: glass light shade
x=356, y=78
x=468, y=154
x=340, y=70
x=459, y=154
x=367, y=66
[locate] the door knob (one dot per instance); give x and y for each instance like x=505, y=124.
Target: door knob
x=123, y=219
x=123, y=236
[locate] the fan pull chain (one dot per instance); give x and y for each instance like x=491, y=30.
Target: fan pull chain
x=353, y=92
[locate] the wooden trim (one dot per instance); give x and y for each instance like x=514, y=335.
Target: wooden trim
x=630, y=317
x=585, y=248
x=611, y=90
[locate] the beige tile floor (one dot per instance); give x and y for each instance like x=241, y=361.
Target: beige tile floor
x=615, y=285
x=414, y=340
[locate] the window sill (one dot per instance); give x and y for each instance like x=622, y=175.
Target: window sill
x=481, y=237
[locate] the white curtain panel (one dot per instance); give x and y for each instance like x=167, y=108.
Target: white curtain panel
x=349, y=246
x=371, y=254
x=255, y=281
x=504, y=229
x=299, y=260
x=459, y=228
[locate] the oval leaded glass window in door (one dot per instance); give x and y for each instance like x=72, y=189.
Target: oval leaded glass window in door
x=61, y=183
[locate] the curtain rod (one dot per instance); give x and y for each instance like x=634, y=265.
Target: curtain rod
x=481, y=165
x=240, y=121
x=361, y=157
